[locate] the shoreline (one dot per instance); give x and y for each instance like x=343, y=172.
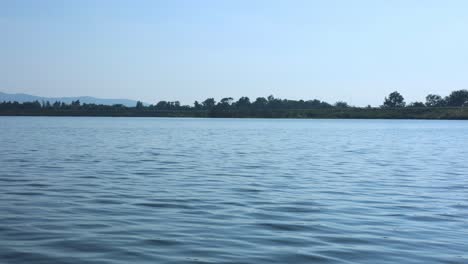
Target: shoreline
x=445, y=113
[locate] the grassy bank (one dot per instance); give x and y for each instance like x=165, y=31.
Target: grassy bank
x=460, y=113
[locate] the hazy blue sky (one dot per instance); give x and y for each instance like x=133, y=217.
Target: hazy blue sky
x=357, y=51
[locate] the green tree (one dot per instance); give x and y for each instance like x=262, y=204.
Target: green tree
x=417, y=104
x=139, y=105
x=197, y=105
x=56, y=105
x=209, y=103
x=226, y=101
x=394, y=99
x=161, y=105
x=434, y=100
x=341, y=104
x=274, y=103
x=458, y=98
x=243, y=103
x=260, y=103
x=75, y=105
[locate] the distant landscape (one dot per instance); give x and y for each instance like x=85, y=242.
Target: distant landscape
x=452, y=106
x=22, y=98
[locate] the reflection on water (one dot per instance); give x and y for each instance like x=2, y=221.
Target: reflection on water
x=123, y=190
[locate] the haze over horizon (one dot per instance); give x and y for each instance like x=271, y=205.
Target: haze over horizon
x=189, y=50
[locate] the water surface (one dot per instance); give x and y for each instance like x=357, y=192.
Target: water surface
x=154, y=190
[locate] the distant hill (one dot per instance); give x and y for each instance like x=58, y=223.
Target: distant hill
x=21, y=98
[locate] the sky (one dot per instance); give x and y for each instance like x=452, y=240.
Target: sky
x=333, y=50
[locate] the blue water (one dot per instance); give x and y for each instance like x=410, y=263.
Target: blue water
x=154, y=190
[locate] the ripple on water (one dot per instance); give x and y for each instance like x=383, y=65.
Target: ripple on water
x=232, y=191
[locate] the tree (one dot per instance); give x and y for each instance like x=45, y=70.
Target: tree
x=161, y=105
x=227, y=101
x=274, y=103
x=417, y=104
x=394, y=99
x=197, y=105
x=209, y=103
x=260, y=103
x=243, y=102
x=434, y=100
x=56, y=105
x=32, y=105
x=139, y=105
x=341, y=104
x=75, y=105
x=457, y=98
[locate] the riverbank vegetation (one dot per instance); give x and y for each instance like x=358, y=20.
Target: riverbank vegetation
x=453, y=106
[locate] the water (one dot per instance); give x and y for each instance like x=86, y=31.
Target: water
x=152, y=190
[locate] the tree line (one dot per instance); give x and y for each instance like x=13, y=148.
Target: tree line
x=455, y=99
x=228, y=107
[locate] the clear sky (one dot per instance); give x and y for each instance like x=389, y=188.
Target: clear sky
x=357, y=51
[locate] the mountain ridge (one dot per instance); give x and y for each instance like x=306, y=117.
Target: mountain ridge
x=22, y=97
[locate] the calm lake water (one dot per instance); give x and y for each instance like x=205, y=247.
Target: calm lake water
x=155, y=190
